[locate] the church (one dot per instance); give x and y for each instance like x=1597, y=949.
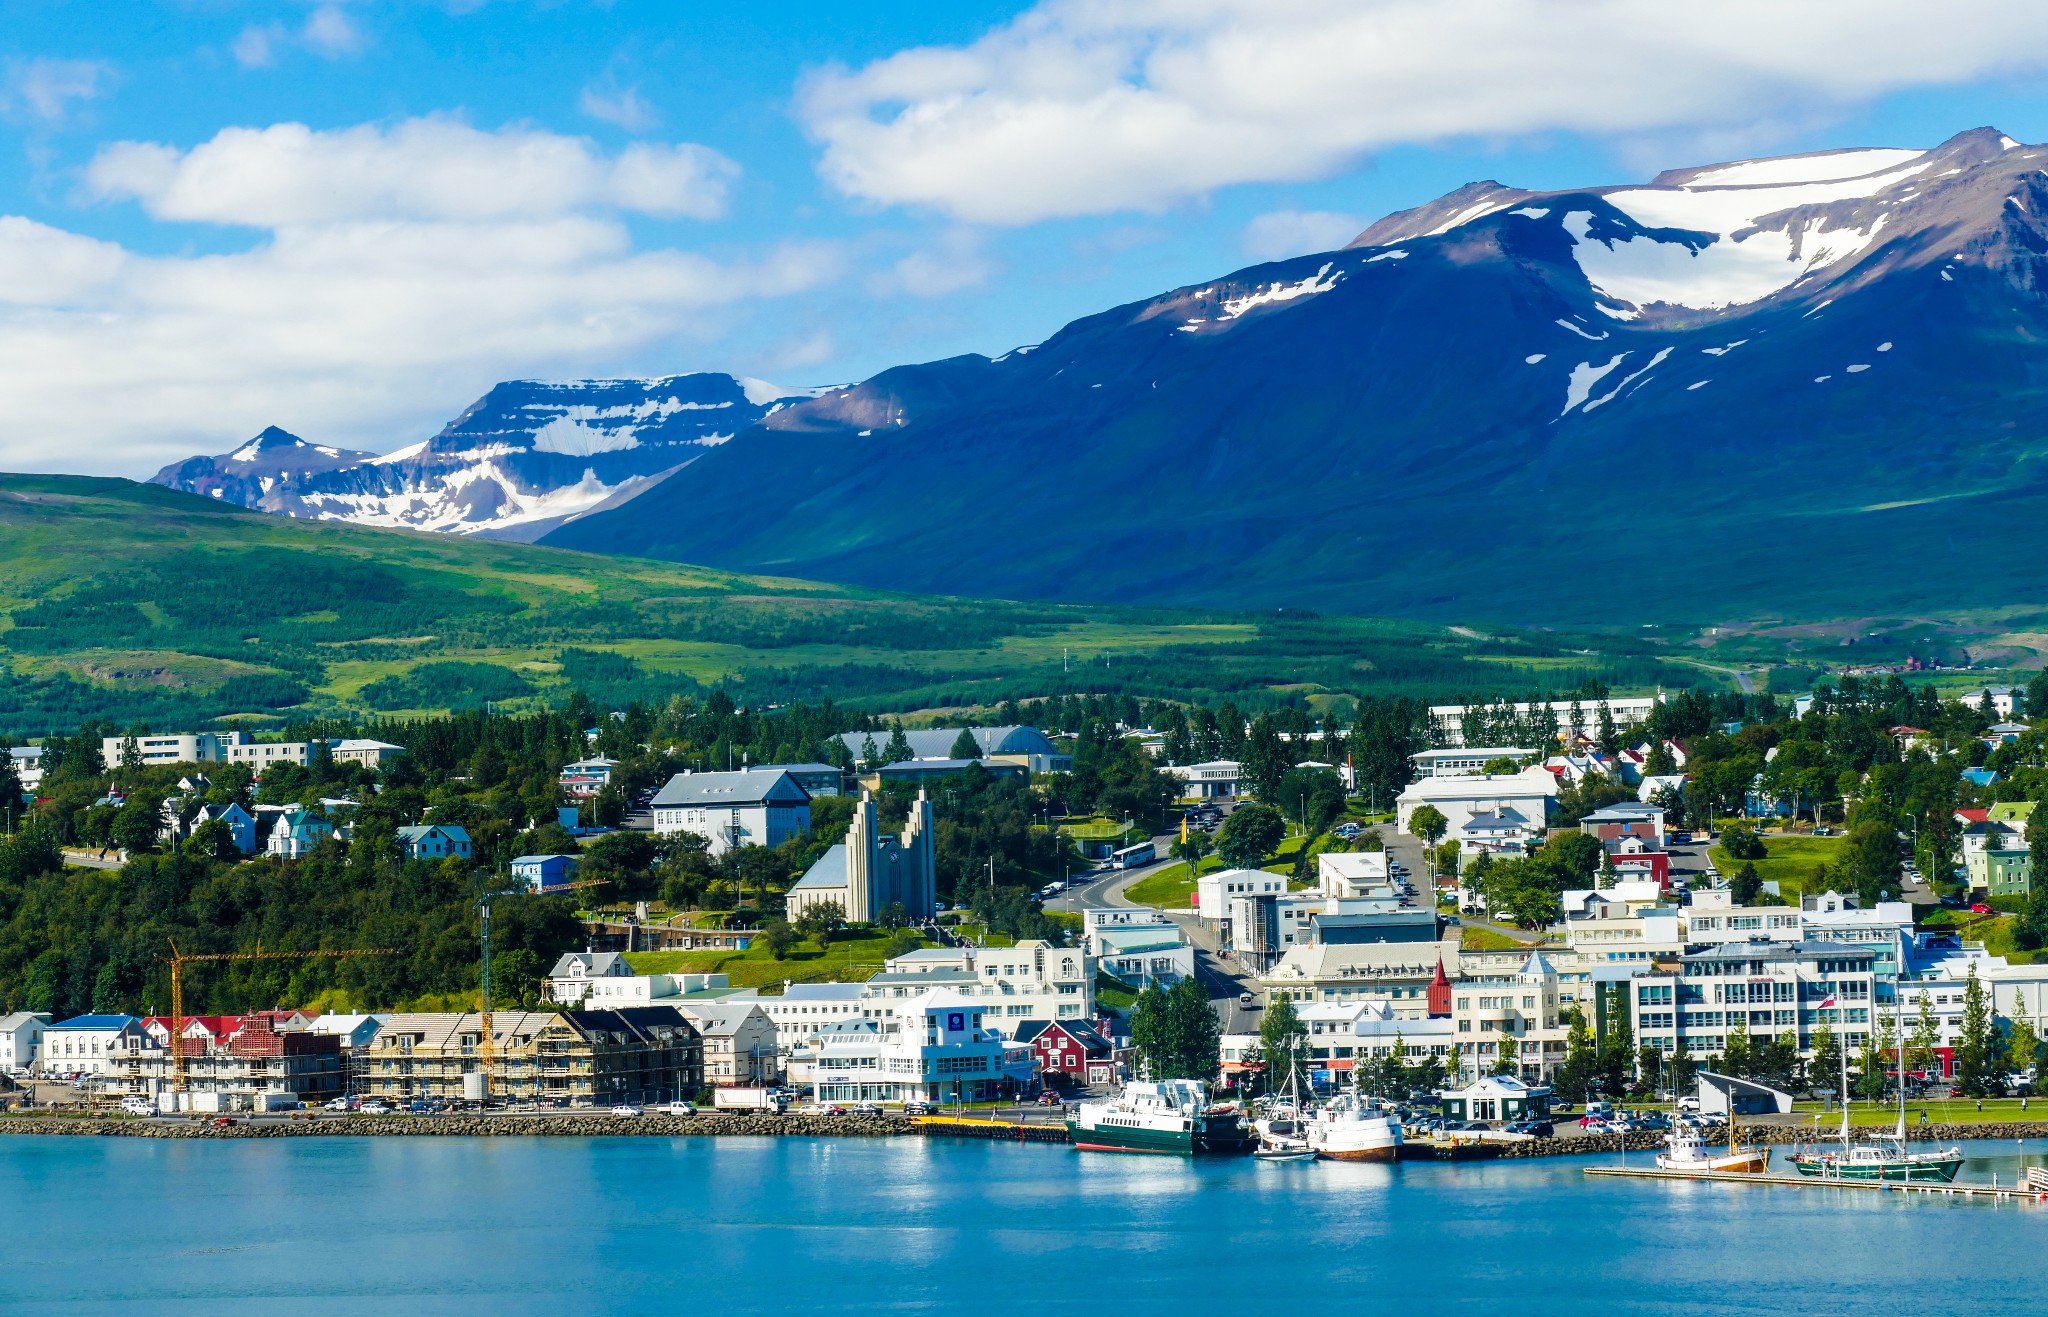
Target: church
x=871, y=870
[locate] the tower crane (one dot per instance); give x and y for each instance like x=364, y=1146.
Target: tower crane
x=483, y=912
x=179, y=959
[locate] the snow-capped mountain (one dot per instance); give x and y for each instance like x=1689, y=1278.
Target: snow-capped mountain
x=524, y=458
x=1817, y=380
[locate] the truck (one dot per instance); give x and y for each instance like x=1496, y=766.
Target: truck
x=747, y=1099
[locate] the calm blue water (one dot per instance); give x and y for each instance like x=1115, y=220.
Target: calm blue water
x=731, y=1226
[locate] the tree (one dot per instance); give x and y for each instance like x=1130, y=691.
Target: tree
x=1507, y=1060
x=1742, y=843
x=1578, y=854
x=1926, y=1036
x=870, y=757
x=137, y=826
x=820, y=920
x=2022, y=1047
x=778, y=937
x=1428, y=823
x=1825, y=1069
x=1196, y=1030
x=1265, y=760
x=131, y=755
x=1735, y=1055
x=965, y=746
x=1249, y=835
x=899, y=746
x=1870, y=860
x=1283, y=1043
x=1875, y=1059
x=1746, y=886
x=1617, y=1055
x=1152, y=1033
x=1977, y=1051
x=1575, y=1076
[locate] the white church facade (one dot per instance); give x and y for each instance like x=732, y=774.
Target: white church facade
x=872, y=870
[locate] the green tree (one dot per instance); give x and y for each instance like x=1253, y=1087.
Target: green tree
x=1192, y=849
x=1428, y=823
x=870, y=757
x=1152, y=1033
x=1926, y=1036
x=820, y=920
x=1196, y=1030
x=1578, y=854
x=1746, y=885
x=1581, y=1058
x=1824, y=1071
x=1617, y=1055
x=1266, y=760
x=1249, y=835
x=131, y=755
x=1977, y=1051
x=1735, y=1055
x=1681, y=1068
x=778, y=937
x=898, y=751
x=2022, y=1047
x=965, y=746
x=137, y=825
x=1283, y=1043
x=1875, y=1061
x=1507, y=1059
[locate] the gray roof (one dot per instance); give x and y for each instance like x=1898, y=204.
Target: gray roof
x=937, y=742
x=718, y=1017
x=823, y=991
x=748, y=786
x=829, y=871
x=597, y=964
x=1765, y=950
x=934, y=977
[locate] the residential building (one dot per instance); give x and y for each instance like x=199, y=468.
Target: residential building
x=569, y=981
x=1207, y=781
x=1622, y=711
x=1142, y=955
x=1353, y=874
x=28, y=765
x=542, y=872
x=871, y=870
x=1985, y=838
x=1458, y=761
x=1714, y=918
x=21, y=1040
x=612, y=992
x=260, y=755
x=1644, y=935
x=2009, y=873
x=436, y=841
x=1531, y=793
x=1502, y=830
x=1763, y=988
x=362, y=750
x=173, y=748
x=739, y=1041
x=751, y=807
x=1215, y=891
x=936, y=1047
x=1032, y=980
x=586, y=777
x=586, y=1058
x=1887, y=927
x=297, y=833
x=816, y=779
x=92, y=1044
x=1342, y=1036
x=1629, y=821
x=241, y=1056
x=1070, y=1051
x=1024, y=747
x=1398, y=973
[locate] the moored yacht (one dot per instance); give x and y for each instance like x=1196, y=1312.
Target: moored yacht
x=1353, y=1129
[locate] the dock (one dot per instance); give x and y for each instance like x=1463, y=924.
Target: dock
x=2017, y=1193
x=974, y=1127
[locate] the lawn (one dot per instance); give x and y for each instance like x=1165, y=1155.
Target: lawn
x=1942, y=1111
x=1486, y=939
x=849, y=959
x=1789, y=861
x=1113, y=993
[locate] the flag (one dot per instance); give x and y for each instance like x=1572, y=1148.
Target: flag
x=1827, y=1005
x=1183, y=829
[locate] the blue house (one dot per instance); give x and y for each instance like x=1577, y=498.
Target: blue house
x=541, y=872
x=435, y=841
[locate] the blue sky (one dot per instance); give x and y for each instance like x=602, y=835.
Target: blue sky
x=350, y=218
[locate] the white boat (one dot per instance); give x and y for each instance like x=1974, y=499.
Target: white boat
x=1352, y=1129
x=1690, y=1154
x=1282, y=1128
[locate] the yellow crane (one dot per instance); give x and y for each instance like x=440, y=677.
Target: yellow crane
x=179, y=959
x=483, y=911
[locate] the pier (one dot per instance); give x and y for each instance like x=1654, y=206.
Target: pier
x=2018, y=1193
x=974, y=1127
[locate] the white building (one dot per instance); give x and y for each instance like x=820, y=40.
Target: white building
x=297, y=833
x=1141, y=955
x=1352, y=874
x=1644, y=936
x=801, y=1010
x=1215, y=891
x=739, y=1041
x=614, y=992
x=935, y=1047
x=1764, y=989
x=1032, y=980
x=174, y=747
x=1622, y=711
x=1531, y=793
x=1523, y=1009
x=569, y=981
x=1462, y=762
x=93, y=1044
x=21, y=1039
x=1217, y=777
x=752, y=807
x=361, y=750
x=1397, y=973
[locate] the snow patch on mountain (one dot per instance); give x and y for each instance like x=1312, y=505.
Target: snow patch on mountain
x=1322, y=281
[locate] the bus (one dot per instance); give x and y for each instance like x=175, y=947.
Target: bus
x=1131, y=857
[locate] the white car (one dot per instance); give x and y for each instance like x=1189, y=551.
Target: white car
x=137, y=1106
x=681, y=1109
x=375, y=1108
x=337, y=1104
x=626, y=1109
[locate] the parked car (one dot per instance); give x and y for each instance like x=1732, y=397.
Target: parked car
x=221, y=1122
x=340, y=1104
x=137, y=1106
x=681, y=1109
x=1535, y=1129
x=918, y=1107
x=626, y=1109
x=1979, y=908
x=420, y=1109
x=375, y=1108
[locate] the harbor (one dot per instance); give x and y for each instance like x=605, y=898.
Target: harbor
x=2022, y=1192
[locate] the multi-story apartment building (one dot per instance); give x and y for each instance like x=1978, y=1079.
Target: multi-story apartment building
x=639, y=1054
x=1762, y=988
x=1033, y=980
x=1397, y=973
x=1494, y=1006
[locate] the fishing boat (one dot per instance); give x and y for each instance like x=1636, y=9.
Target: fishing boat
x=1355, y=1129
x=1884, y=1156
x=1171, y=1116
x=1282, y=1128
x=1689, y=1154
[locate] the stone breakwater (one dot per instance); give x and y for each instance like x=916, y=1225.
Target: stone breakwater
x=1824, y=1132
x=596, y=1126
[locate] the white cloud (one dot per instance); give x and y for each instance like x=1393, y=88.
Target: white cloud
x=1091, y=106
x=327, y=32
x=950, y=264
x=434, y=168
x=44, y=90
x=256, y=47
x=1279, y=234
x=625, y=108
x=399, y=272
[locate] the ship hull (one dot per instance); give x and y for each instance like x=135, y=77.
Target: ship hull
x=1750, y=1162
x=1387, y=1153
x=1119, y=1138
x=1942, y=1169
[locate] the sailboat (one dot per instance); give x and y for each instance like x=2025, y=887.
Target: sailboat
x=1884, y=1156
x=1283, y=1129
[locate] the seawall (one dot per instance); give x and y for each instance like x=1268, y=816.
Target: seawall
x=592, y=1126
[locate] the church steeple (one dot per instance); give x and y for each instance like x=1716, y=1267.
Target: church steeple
x=1439, y=992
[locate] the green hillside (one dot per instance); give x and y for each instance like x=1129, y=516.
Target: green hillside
x=135, y=603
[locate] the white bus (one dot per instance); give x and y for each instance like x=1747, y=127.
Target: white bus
x=1131, y=857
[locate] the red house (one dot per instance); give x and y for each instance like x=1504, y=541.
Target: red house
x=1069, y=1051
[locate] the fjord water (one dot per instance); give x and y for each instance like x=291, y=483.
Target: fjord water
x=731, y=1225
